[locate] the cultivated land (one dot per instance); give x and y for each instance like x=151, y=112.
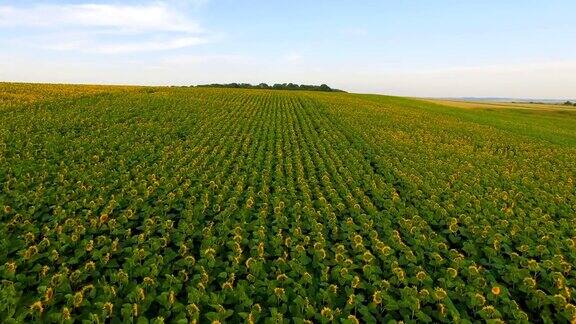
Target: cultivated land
x=497, y=105
x=182, y=204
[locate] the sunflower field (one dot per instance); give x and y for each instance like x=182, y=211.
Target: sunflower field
x=204, y=205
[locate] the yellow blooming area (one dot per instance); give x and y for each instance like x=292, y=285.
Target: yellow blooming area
x=16, y=95
x=204, y=205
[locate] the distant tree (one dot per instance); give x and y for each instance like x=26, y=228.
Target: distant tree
x=276, y=86
x=568, y=103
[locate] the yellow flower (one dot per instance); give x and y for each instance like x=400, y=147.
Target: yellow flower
x=48, y=294
x=300, y=248
x=107, y=307
x=192, y=309
x=11, y=267
x=78, y=298
x=279, y=291
x=66, y=313
x=489, y=309
x=333, y=288
x=367, y=256
x=327, y=313
x=440, y=293
x=135, y=310
x=571, y=309
x=90, y=245
x=90, y=266
x=30, y=252
x=377, y=297
x=148, y=281
x=442, y=309
x=496, y=290
x=141, y=294
x=37, y=307
x=424, y=293
x=529, y=282
x=227, y=285
x=351, y=299
x=421, y=275
x=355, y=282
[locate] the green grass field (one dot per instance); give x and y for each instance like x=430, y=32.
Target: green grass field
x=176, y=205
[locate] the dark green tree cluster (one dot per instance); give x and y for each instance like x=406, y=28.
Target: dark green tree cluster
x=569, y=103
x=276, y=86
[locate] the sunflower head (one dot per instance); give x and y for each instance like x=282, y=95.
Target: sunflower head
x=496, y=290
x=37, y=307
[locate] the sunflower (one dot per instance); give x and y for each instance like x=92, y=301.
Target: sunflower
x=496, y=290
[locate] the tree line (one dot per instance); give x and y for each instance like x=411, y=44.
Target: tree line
x=276, y=86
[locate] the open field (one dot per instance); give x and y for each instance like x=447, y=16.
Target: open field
x=200, y=204
x=499, y=105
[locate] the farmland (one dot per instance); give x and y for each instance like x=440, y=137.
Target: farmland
x=179, y=205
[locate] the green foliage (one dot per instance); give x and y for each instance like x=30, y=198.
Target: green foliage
x=178, y=205
x=276, y=86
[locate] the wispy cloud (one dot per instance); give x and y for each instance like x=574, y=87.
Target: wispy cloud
x=137, y=18
x=180, y=60
x=154, y=26
x=194, y=4
x=126, y=47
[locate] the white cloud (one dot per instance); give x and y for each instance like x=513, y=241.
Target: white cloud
x=127, y=47
x=138, y=18
x=195, y=4
x=170, y=44
x=180, y=60
x=153, y=27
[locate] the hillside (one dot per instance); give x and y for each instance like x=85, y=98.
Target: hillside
x=183, y=204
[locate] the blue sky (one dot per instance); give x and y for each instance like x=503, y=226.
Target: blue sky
x=439, y=48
